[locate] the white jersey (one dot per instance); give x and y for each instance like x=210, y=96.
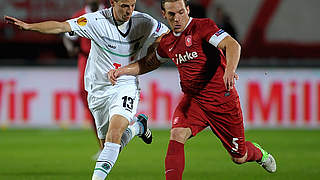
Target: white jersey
x=114, y=46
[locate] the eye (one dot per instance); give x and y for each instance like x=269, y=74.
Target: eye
x=124, y=6
x=171, y=14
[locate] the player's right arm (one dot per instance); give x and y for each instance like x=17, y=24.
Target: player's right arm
x=46, y=27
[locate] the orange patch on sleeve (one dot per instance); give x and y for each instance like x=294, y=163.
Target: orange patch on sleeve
x=82, y=21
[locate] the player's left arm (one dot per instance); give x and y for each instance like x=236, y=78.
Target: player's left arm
x=148, y=63
x=233, y=51
x=142, y=66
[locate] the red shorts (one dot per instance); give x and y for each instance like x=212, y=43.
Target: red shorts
x=225, y=121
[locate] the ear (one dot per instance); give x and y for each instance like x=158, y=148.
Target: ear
x=112, y=3
x=188, y=10
x=163, y=14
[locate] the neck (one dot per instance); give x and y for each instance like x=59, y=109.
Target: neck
x=188, y=22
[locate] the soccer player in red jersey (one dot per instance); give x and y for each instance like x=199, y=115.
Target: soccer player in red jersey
x=207, y=78
x=80, y=46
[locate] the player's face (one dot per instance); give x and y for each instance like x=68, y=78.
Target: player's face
x=177, y=15
x=123, y=9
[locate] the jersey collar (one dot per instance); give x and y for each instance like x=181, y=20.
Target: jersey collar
x=178, y=34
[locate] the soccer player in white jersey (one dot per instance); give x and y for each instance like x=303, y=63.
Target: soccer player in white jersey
x=119, y=35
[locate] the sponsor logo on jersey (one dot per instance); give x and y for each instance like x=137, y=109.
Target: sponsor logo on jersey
x=82, y=21
x=188, y=40
x=111, y=46
x=219, y=32
x=181, y=58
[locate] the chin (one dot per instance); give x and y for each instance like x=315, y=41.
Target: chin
x=126, y=19
x=177, y=30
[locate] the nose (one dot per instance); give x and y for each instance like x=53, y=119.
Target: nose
x=130, y=10
x=176, y=18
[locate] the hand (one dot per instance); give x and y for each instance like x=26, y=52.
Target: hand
x=229, y=79
x=20, y=24
x=113, y=74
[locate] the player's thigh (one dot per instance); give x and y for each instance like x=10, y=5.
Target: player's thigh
x=228, y=126
x=125, y=102
x=121, y=101
x=188, y=115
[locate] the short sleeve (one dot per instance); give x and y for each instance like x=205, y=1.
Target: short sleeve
x=82, y=26
x=213, y=34
x=158, y=28
x=161, y=54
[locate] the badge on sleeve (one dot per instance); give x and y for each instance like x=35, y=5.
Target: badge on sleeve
x=82, y=21
x=188, y=40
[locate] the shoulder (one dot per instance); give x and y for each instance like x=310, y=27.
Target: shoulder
x=142, y=16
x=167, y=38
x=168, y=35
x=106, y=13
x=203, y=21
x=94, y=17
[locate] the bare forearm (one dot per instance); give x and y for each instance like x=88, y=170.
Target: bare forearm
x=233, y=52
x=49, y=27
x=131, y=69
x=145, y=65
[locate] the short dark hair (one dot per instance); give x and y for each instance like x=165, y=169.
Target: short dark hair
x=186, y=2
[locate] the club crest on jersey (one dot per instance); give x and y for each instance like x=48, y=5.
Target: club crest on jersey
x=188, y=40
x=82, y=21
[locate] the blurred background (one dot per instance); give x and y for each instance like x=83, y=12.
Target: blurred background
x=279, y=82
x=45, y=129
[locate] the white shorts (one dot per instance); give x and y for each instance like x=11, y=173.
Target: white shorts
x=121, y=100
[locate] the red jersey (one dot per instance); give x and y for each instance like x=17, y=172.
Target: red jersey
x=201, y=65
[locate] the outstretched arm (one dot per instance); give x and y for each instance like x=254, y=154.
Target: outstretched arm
x=46, y=27
x=233, y=50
